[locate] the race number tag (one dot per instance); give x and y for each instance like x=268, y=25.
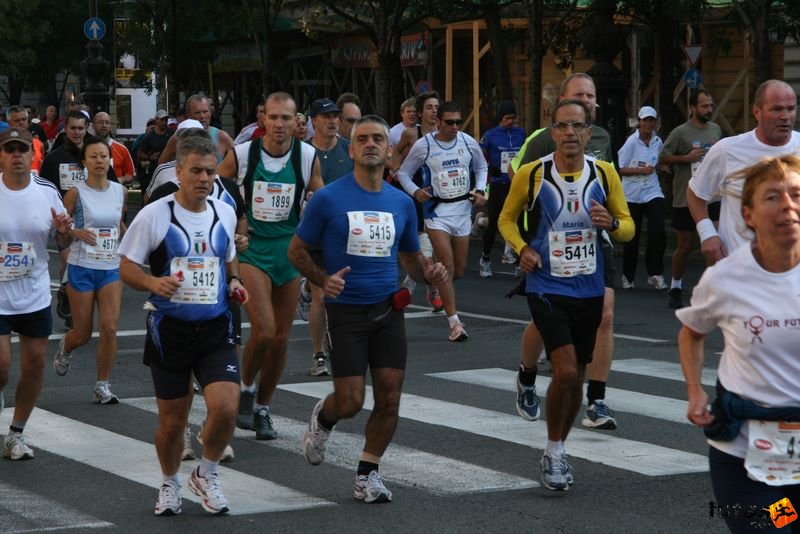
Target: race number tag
x=105, y=247
x=370, y=233
x=452, y=183
x=16, y=260
x=199, y=279
x=272, y=202
x=573, y=252
x=506, y=156
x=773, y=452
x=70, y=175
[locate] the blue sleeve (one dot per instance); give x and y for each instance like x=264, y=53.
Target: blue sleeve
x=313, y=221
x=409, y=240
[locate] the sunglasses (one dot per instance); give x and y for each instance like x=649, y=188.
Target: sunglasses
x=453, y=122
x=576, y=126
x=10, y=148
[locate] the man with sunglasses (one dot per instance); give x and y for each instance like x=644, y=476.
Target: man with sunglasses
x=571, y=197
x=31, y=211
x=454, y=177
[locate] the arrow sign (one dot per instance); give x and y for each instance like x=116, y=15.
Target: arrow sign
x=693, y=78
x=94, y=29
x=692, y=53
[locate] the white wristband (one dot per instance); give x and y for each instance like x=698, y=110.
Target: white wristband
x=705, y=229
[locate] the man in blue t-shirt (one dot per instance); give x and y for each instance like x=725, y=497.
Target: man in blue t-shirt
x=364, y=226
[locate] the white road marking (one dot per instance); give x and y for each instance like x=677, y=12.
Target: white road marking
x=657, y=369
x=22, y=511
x=403, y=465
x=623, y=400
x=645, y=458
x=106, y=450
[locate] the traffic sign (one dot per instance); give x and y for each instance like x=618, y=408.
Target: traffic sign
x=94, y=29
x=423, y=86
x=693, y=78
x=692, y=53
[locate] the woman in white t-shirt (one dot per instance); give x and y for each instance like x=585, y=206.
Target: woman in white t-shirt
x=98, y=208
x=753, y=296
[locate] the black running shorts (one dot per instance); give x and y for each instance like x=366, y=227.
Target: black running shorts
x=565, y=320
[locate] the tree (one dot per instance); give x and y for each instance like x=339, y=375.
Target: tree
x=551, y=26
x=384, y=22
x=39, y=40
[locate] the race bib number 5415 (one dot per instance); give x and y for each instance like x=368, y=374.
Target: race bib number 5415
x=370, y=233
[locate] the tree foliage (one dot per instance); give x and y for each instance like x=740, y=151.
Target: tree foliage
x=39, y=40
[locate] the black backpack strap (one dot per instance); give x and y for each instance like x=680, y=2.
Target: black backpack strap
x=297, y=167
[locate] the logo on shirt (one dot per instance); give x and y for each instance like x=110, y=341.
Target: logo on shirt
x=274, y=188
x=259, y=200
x=573, y=205
x=104, y=232
x=575, y=236
x=200, y=247
x=756, y=325
x=371, y=217
x=195, y=263
x=13, y=248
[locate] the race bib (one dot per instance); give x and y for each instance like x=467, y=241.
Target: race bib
x=199, y=279
x=105, y=247
x=16, y=260
x=272, y=202
x=370, y=233
x=506, y=157
x=70, y=175
x=573, y=252
x=452, y=183
x=773, y=452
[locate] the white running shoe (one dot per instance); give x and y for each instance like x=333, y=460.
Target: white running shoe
x=657, y=281
x=370, y=488
x=188, y=452
x=304, y=300
x=15, y=447
x=169, y=499
x=457, y=332
x=103, y=395
x=319, y=365
x=61, y=360
x=227, y=454
x=207, y=488
x=485, y=268
x=410, y=284
x=315, y=438
x=509, y=257
x=627, y=284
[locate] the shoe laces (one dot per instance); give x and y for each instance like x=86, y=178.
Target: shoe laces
x=529, y=396
x=212, y=485
x=169, y=492
x=602, y=409
x=375, y=481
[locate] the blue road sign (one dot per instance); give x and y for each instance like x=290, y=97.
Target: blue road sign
x=693, y=78
x=94, y=29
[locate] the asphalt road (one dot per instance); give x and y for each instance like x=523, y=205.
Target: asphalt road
x=461, y=460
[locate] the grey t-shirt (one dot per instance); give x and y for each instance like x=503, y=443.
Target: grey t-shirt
x=599, y=146
x=681, y=141
x=336, y=162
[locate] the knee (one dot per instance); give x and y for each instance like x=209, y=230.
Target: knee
x=262, y=337
x=108, y=330
x=171, y=426
x=389, y=404
x=567, y=377
x=348, y=403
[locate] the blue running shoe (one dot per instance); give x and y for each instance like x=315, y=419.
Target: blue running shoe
x=527, y=401
x=554, y=473
x=600, y=416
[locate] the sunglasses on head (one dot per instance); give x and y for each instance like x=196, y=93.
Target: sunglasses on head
x=10, y=148
x=453, y=122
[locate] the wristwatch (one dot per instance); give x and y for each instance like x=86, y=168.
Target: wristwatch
x=235, y=277
x=614, y=224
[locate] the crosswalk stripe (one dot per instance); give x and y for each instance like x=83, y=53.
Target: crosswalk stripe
x=403, y=465
x=639, y=457
x=29, y=512
x=136, y=461
x=623, y=400
x=656, y=369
